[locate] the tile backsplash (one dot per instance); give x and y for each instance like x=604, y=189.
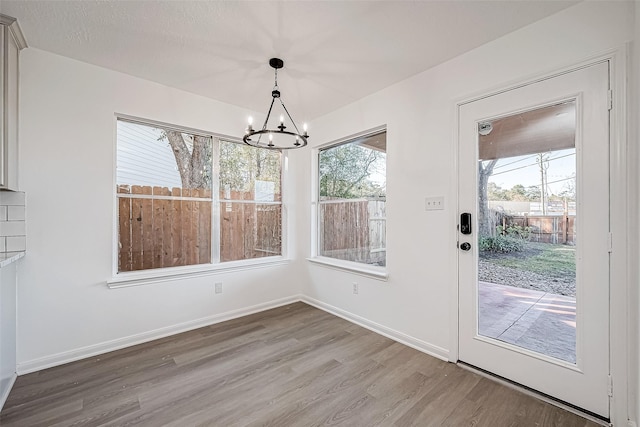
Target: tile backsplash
x=13, y=236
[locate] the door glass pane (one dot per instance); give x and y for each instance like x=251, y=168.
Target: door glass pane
x=527, y=230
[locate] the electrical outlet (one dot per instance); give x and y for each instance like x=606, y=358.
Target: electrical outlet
x=355, y=288
x=434, y=203
x=219, y=288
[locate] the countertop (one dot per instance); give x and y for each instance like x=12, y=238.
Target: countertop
x=7, y=258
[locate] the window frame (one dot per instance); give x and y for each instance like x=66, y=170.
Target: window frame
x=156, y=275
x=217, y=201
x=367, y=270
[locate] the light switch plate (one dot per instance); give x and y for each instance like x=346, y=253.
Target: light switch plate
x=434, y=203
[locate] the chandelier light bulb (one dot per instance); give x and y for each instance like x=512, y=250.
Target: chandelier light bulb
x=281, y=119
x=249, y=126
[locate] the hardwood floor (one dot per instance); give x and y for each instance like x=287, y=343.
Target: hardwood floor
x=290, y=366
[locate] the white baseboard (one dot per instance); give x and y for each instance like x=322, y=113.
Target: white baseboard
x=5, y=393
x=117, y=344
x=400, y=337
x=105, y=347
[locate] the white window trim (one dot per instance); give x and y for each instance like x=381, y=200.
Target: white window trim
x=375, y=272
x=158, y=275
x=360, y=269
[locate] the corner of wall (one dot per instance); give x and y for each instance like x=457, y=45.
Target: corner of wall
x=634, y=207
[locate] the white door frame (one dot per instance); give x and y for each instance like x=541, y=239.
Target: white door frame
x=621, y=192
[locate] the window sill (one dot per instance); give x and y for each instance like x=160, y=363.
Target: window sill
x=147, y=277
x=379, y=273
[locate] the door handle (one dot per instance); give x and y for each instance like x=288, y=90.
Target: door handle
x=465, y=223
x=465, y=246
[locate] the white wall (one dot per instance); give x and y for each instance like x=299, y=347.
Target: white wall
x=420, y=115
x=67, y=171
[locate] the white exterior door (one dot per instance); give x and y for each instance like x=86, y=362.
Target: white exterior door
x=534, y=266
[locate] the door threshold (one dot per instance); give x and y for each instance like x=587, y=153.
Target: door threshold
x=538, y=395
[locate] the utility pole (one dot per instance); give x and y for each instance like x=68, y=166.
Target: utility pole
x=543, y=162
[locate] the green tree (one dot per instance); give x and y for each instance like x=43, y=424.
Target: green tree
x=495, y=192
x=485, y=169
x=241, y=166
x=532, y=193
x=346, y=170
x=193, y=156
x=518, y=193
x=569, y=189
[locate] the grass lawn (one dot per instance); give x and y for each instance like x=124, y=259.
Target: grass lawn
x=542, y=258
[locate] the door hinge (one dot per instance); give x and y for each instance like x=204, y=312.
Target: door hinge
x=610, y=242
x=610, y=389
x=610, y=99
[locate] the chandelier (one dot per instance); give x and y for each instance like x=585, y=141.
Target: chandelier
x=278, y=138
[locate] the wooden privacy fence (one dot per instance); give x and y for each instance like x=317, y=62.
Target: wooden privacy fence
x=547, y=228
x=172, y=227
x=250, y=230
x=354, y=230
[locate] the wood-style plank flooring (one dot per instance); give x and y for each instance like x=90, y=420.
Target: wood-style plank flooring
x=290, y=366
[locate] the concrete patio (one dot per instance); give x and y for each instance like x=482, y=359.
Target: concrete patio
x=535, y=320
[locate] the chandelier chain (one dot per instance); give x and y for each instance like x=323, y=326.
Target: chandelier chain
x=275, y=87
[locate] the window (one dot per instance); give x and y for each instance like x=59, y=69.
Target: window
x=250, y=202
x=352, y=200
x=172, y=186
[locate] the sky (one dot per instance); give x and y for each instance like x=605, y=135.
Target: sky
x=524, y=170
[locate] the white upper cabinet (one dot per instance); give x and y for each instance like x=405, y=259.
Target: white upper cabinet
x=11, y=42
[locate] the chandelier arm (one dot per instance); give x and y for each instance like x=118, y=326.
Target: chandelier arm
x=290, y=118
x=264, y=126
x=247, y=139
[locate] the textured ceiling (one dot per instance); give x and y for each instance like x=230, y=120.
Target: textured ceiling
x=335, y=52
